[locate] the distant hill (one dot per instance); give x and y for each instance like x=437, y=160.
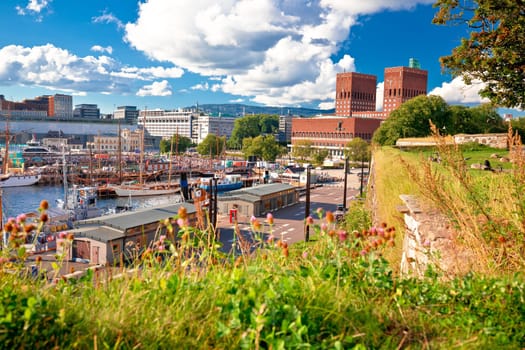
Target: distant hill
x=235, y=110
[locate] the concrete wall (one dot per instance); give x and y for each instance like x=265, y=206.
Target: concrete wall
x=493, y=140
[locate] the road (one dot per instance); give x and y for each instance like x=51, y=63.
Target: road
x=289, y=221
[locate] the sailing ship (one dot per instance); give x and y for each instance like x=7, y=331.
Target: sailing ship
x=141, y=189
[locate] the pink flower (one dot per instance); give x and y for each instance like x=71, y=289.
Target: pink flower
x=305, y=255
x=162, y=238
x=253, y=219
x=324, y=227
x=309, y=220
x=62, y=235
x=342, y=235
x=269, y=218
x=181, y=222
x=21, y=218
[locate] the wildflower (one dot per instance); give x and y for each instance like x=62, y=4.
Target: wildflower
x=381, y=232
x=305, y=255
x=162, y=238
x=253, y=219
x=309, y=220
x=38, y=259
x=330, y=217
x=324, y=227
x=183, y=212
x=342, y=235
x=44, y=205
x=285, y=251
x=373, y=231
x=181, y=222
x=70, y=236
x=29, y=228
x=363, y=252
x=391, y=243
x=62, y=235
x=21, y=218
x=320, y=212
x=269, y=218
x=44, y=218
x=256, y=225
x=271, y=238
x=426, y=243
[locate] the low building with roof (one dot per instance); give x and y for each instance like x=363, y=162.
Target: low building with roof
x=110, y=239
x=258, y=200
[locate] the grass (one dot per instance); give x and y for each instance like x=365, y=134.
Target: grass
x=339, y=291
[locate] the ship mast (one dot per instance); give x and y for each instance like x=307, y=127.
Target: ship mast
x=119, y=154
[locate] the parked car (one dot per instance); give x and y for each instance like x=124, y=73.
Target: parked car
x=339, y=213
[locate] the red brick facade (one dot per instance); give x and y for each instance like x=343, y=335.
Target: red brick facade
x=401, y=84
x=332, y=133
x=355, y=92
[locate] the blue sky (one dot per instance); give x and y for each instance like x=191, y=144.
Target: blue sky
x=177, y=53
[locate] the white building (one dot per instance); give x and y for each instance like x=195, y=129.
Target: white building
x=130, y=142
x=220, y=126
x=165, y=124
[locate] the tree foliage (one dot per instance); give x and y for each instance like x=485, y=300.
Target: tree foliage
x=263, y=146
x=358, y=150
x=180, y=144
x=493, y=54
x=252, y=126
x=412, y=118
x=212, y=145
x=302, y=149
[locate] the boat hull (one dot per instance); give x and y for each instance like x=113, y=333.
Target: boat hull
x=122, y=191
x=224, y=187
x=16, y=180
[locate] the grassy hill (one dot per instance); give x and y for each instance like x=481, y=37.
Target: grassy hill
x=341, y=290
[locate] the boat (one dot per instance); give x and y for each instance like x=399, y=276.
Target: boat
x=138, y=190
x=141, y=189
x=225, y=183
x=80, y=203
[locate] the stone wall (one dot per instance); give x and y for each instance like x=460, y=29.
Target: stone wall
x=429, y=240
x=492, y=140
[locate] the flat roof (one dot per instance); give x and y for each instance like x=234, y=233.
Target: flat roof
x=127, y=220
x=99, y=233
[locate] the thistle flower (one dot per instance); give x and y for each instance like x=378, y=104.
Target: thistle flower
x=343, y=235
x=44, y=217
x=309, y=220
x=44, y=205
x=183, y=212
x=269, y=218
x=21, y=218
x=330, y=217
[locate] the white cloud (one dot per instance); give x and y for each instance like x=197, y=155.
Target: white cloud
x=34, y=8
x=380, y=90
x=238, y=100
x=274, y=52
x=108, y=18
x=201, y=87
x=158, y=88
x=457, y=92
x=57, y=69
x=98, y=48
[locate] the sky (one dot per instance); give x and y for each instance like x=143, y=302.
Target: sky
x=171, y=54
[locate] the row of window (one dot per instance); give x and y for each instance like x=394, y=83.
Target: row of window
x=406, y=92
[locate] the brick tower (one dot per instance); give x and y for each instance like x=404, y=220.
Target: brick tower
x=403, y=83
x=355, y=92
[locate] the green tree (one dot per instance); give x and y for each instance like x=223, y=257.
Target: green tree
x=493, y=53
x=411, y=119
x=302, y=149
x=264, y=147
x=319, y=156
x=358, y=150
x=475, y=120
x=268, y=124
x=180, y=144
x=212, y=145
x=247, y=126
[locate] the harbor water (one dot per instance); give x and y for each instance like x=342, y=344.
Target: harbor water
x=25, y=199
